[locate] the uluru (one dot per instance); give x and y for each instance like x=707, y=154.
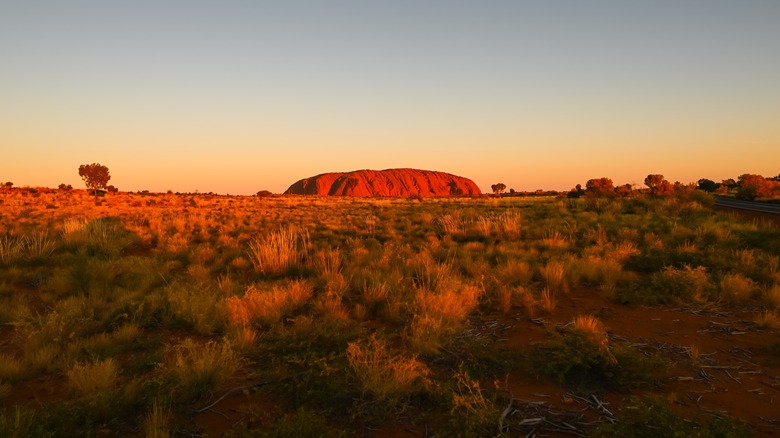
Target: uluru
x=388, y=182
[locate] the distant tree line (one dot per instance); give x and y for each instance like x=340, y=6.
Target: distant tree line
x=747, y=187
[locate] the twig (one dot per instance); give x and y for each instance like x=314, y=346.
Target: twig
x=506, y=412
x=244, y=388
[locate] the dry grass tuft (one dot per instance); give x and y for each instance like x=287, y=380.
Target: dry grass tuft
x=452, y=224
x=156, y=422
x=382, y=374
x=201, y=367
x=268, y=306
x=10, y=368
x=93, y=378
x=548, y=300
x=768, y=320
x=10, y=248
x=590, y=325
x=554, y=239
x=736, y=289
x=279, y=250
x=554, y=276
x=593, y=330
x=440, y=314
x=467, y=398
x=772, y=296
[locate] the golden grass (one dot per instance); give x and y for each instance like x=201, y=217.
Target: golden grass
x=554, y=276
x=509, y=223
x=593, y=330
x=590, y=325
x=768, y=320
x=10, y=248
x=452, y=224
x=467, y=397
x=382, y=374
x=41, y=358
x=695, y=356
x=93, y=378
x=157, y=421
x=10, y=368
x=201, y=367
x=735, y=288
x=772, y=295
x=279, y=250
x=440, y=314
x=548, y=300
x=268, y=306
x=554, y=239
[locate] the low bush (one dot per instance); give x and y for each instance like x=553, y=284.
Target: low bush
x=582, y=356
x=652, y=417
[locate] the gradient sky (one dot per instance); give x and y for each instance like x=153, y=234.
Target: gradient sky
x=240, y=96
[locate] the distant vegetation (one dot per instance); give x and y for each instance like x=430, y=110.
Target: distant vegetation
x=95, y=176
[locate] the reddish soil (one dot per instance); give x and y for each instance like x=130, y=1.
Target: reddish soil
x=389, y=182
x=737, y=374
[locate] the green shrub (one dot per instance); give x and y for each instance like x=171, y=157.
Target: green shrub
x=652, y=418
x=577, y=359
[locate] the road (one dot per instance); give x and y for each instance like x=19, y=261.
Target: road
x=760, y=207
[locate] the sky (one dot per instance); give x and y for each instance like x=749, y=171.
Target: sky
x=234, y=97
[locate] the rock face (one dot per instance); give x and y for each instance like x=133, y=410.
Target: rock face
x=389, y=182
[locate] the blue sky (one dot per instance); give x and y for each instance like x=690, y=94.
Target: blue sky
x=239, y=96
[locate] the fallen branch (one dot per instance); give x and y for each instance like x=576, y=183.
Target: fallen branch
x=241, y=389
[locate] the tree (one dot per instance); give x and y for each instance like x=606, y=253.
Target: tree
x=752, y=186
x=600, y=187
x=498, y=188
x=624, y=191
x=9, y=185
x=95, y=176
x=708, y=185
x=658, y=185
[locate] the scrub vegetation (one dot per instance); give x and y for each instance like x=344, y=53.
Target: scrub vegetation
x=200, y=315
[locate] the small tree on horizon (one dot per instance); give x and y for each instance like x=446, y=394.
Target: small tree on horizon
x=498, y=188
x=95, y=176
x=658, y=185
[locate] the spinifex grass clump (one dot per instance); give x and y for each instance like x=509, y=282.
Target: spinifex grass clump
x=279, y=250
x=382, y=374
x=199, y=368
x=10, y=248
x=10, y=368
x=156, y=422
x=268, y=305
x=440, y=314
x=96, y=384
